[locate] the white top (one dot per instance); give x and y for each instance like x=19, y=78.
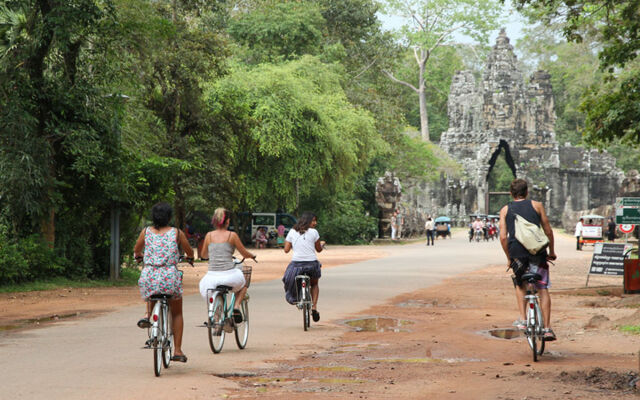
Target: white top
x=304, y=246
x=428, y=225
x=578, y=229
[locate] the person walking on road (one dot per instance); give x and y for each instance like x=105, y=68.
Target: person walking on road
x=428, y=226
x=399, y=223
x=518, y=255
x=578, y=233
x=611, y=230
x=159, y=247
x=394, y=224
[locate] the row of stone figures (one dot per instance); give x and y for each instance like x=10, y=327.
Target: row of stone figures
x=389, y=199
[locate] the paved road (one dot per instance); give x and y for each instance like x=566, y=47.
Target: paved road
x=102, y=357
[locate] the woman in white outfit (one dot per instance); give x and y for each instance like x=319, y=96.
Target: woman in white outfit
x=218, y=247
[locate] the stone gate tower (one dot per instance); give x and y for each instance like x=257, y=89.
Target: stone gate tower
x=503, y=113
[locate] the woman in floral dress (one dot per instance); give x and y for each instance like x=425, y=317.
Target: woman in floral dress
x=159, y=246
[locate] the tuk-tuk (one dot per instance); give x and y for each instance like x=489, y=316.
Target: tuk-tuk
x=591, y=229
x=442, y=227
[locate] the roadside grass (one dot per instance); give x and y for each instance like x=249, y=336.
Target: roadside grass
x=128, y=277
x=633, y=329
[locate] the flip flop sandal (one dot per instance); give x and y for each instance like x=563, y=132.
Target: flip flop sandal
x=548, y=335
x=237, y=316
x=144, y=323
x=179, y=358
x=315, y=315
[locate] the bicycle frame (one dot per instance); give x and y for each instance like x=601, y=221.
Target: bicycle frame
x=302, y=291
x=228, y=304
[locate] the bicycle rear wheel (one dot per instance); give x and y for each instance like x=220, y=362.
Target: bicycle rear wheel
x=167, y=344
x=306, y=310
x=242, y=329
x=306, y=306
x=215, y=325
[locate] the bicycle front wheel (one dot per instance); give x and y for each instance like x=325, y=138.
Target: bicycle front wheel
x=242, y=329
x=215, y=325
x=532, y=332
x=539, y=330
x=167, y=343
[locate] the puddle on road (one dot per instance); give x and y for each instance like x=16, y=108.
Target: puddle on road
x=425, y=360
x=506, y=333
x=378, y=324
x=34, y=322
x=329, y=369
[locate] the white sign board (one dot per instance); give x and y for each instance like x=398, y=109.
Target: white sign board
x=592, y=232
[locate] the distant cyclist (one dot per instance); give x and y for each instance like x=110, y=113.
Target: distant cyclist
x=532, y=211
x=305, y=241
x=161, y=245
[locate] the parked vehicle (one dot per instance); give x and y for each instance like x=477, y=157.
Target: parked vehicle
x=591, y=229
x=443, y=227
x=250, y=222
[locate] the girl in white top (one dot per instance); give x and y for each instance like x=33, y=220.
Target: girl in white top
x=305, y=241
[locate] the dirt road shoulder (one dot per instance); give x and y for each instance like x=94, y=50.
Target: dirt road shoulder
x=436, y=343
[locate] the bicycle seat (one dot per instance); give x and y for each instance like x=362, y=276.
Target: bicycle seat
x=529, y=277
x=161, y=296
x=224, y=287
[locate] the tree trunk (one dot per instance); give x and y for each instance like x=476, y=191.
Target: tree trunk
x=48, y=228
x=178, y=208
x=424, y=116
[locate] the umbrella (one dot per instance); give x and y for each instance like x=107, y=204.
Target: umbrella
x=443, y=219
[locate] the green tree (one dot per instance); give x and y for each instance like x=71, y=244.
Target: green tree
x=612, y=109
x=278, y=31
x=573, y=67
x=292, y=131
x=430, y=25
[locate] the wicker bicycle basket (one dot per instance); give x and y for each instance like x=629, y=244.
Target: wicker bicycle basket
x=246, y=270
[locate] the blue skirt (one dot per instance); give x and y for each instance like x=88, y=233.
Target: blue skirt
x=309, y=268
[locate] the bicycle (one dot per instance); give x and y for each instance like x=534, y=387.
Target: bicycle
x=534, y=323
x=220, y=313
x=304, y=299
x=161, y=330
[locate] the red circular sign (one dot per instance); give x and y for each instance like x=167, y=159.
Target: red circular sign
x=626, y=228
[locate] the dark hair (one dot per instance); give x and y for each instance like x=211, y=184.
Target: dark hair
x=304, y=222
x=519, y=188
x=161, y=214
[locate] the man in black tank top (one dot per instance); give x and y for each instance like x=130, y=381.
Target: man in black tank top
x=532, y=211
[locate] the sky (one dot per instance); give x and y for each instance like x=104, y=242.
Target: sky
x=514, y=24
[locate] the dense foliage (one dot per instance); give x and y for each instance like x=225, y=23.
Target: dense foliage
x=611, y=109
x=112, y=105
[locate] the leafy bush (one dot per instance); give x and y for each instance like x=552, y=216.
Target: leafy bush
x=28, y=259
x=347, y=223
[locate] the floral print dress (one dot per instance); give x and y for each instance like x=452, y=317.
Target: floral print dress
x=161, y=255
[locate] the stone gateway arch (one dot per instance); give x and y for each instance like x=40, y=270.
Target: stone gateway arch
x=504, y=114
